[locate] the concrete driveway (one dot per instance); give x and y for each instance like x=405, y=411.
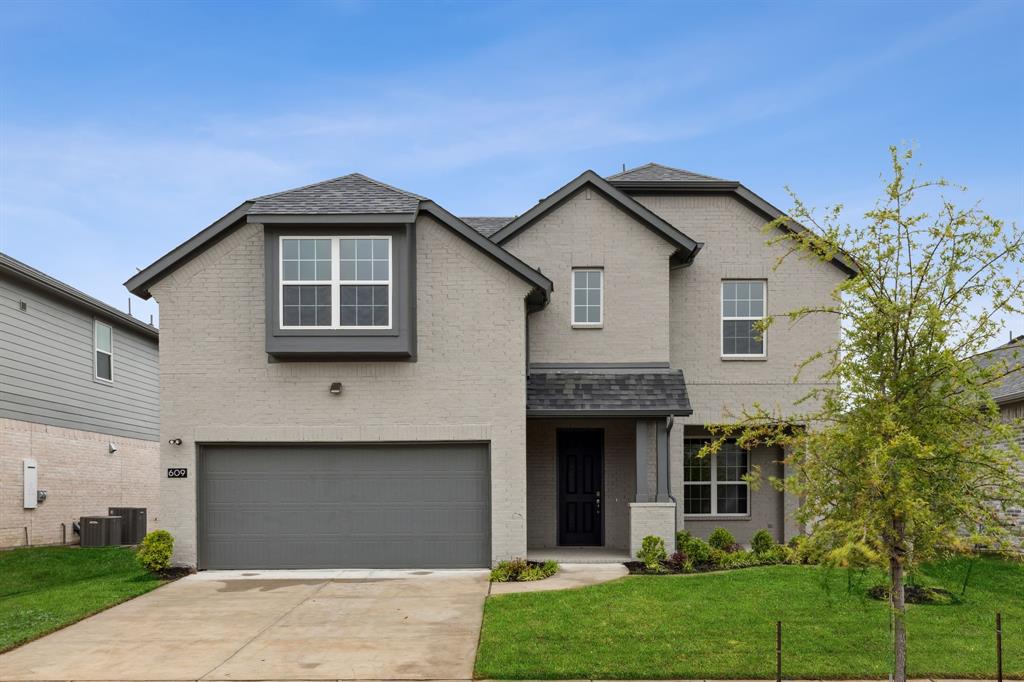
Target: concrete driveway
x=273, y=625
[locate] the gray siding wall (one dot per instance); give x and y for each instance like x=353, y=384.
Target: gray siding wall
x=46, y=368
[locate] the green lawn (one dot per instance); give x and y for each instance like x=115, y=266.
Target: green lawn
x=722, y=625
x=43, y=589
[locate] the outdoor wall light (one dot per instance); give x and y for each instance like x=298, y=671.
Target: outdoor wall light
x=336, y=388
x=112, y=448
x=175, y=441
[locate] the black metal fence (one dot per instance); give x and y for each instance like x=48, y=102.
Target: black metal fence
x=998, y=652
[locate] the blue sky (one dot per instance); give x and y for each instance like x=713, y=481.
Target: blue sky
x=127, y=127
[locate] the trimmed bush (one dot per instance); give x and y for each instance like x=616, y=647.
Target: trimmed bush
x=697, y=552
x=762, y=542
x=652, y=552
x=722, y=539
x=155, y=551
x=521, y=571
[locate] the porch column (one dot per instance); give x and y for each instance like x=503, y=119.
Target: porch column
x=662, y=428
x=643, y=493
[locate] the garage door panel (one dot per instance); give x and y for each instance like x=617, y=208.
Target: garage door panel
x=344, y=506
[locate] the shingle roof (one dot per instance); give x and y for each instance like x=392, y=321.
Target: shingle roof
x=486, y=225
x=655, y=172
x=565, y=393
x=1012, y=385
x=352, y=193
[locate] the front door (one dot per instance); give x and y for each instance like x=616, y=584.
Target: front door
x=580, y=480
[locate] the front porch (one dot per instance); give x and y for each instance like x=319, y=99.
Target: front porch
x=596, y=486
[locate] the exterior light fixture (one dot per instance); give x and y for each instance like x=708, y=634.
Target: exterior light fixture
x=175, y=441
x=112, y=448
x=336, y=388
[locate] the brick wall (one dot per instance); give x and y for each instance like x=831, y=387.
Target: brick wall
x=468, y=383
x=80, y=475
x=735, y=249
x=542, y=478
x=588, y=230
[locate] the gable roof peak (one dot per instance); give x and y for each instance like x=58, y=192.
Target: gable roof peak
x=656, y=172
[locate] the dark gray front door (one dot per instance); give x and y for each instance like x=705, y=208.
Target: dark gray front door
x=580, y=482
x=341, y=506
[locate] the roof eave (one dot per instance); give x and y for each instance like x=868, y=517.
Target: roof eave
x=639, y=412
x=139, y=283
x=39, y=280
x=744, y=194
x=624, y=201
x=331, y=218
x=542, y=285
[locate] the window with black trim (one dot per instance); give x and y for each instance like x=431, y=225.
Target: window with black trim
x=714, y=485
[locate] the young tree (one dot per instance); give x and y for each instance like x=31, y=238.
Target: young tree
x=902, y=454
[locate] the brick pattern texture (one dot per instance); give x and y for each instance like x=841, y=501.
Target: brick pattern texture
x=468, y=383
x=80, y=475
x=588, y=230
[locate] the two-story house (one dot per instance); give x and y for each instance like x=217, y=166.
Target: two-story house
x=351, y=376
x=79, y=413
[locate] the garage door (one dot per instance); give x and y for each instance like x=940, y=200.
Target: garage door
x=344, y=506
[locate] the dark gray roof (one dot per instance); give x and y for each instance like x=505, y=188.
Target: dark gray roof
x=352, y=193
x=40, y=280
x=1011, y=388
x=486, y=225
x=655, y=172
x=606, y=393
x=350, y=199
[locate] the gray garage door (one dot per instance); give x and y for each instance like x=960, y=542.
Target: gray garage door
x=358, y=506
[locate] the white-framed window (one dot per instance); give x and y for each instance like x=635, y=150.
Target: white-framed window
x=103, y=351
x=587, y=297
x=336, y=282
x=714, y=485
x=743, y=306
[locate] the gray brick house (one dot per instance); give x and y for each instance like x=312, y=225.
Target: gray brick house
x=353, y=376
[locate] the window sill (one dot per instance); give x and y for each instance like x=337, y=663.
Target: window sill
x=716, y=517
x=587, y=326
x=744, y=358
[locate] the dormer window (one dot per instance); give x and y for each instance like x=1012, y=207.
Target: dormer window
x=336, y=282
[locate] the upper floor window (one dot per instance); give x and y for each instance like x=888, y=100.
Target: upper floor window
x=743, y=306
x=713, y=485
x=336, y=282
x=103, y=350
x=587, y=297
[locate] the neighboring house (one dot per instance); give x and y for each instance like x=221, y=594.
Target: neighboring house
x=79, y=417
x=1009, y=395
x=353, y=376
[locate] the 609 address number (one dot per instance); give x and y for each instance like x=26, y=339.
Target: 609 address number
x=177, y=472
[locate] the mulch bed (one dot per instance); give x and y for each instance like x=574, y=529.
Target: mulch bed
x=915, y=594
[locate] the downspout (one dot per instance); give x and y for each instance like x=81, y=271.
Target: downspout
x=669, y=423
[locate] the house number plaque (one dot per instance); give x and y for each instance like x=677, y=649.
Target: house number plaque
x=177, y=472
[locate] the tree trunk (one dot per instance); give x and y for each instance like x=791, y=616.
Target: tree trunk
x=899, y=612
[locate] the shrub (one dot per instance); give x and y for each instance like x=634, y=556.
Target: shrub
x=155, y=551
x=521, y=570
x=803, y=550
x=762, y=542
x=722, y=539
x=683, y=538
x=652, y=552
x=698, y=552
x=680, y=562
